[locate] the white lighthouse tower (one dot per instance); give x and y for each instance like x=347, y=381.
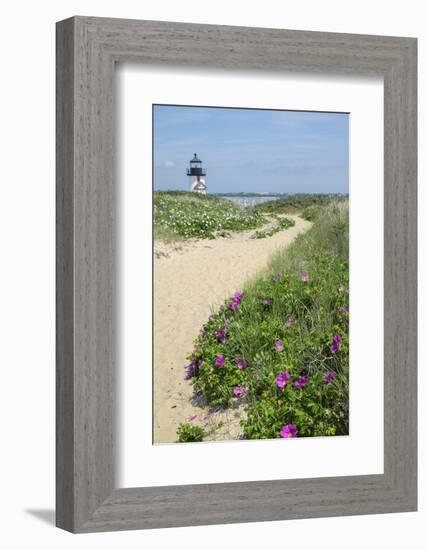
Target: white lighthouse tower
x=196, y=176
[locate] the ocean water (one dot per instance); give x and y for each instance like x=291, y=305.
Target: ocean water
x=251, y=201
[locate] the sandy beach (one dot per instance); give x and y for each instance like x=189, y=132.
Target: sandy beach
x=191, y=279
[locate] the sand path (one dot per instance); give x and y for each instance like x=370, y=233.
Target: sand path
x=191, y=279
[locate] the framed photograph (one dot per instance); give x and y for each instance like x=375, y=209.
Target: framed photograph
x=236, y=274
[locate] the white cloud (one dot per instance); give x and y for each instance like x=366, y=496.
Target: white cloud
x=169, y=164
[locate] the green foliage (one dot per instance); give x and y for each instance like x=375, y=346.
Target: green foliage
x=282, y=223
x=318, y=310
x=188, y=433
x=311, y=213
x=296, y=203
x=192, y=215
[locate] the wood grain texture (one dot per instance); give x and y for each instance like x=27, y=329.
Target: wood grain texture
x=87, y=49
x=64, y=277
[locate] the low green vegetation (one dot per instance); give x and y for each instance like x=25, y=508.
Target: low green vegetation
x=280, y=345
x=280, y=225
x=187, y=433
x=182, y=215
x=311, y=213
x=297, y=203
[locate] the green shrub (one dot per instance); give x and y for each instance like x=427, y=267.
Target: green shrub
x=311, y=213
x=188, y=433
x=296, y=203
x=282, y=223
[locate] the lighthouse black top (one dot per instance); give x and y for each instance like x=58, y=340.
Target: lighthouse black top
x=196, y=167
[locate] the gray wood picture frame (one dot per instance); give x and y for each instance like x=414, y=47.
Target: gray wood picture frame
x=87, y=50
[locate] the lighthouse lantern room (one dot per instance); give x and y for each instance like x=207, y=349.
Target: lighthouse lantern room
x=196, y=174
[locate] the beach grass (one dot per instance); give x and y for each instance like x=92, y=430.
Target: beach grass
x=298, y=203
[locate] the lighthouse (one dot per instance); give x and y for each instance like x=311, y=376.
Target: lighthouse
x=196, y=175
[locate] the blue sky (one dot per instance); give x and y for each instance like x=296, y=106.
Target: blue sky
x=252, y=150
